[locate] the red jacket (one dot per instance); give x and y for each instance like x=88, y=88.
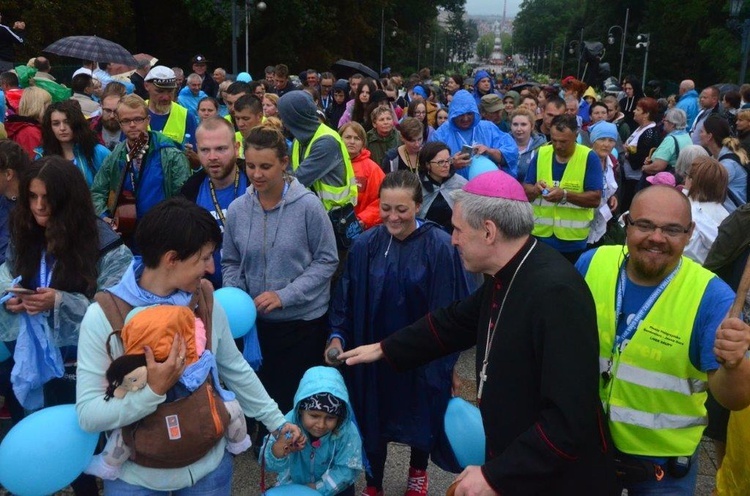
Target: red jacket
x=25, y=131
x=369, y=175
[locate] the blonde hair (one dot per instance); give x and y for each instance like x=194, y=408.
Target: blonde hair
x=275, y=122
x=523, y=111
x=133, y=101
x=34, y=101
x=273, y=97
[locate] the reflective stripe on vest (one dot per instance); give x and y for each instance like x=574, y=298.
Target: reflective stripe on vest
x=655, y=398
x=331, y=196
x=566, y=222
x=654, y=420
x=176, y=124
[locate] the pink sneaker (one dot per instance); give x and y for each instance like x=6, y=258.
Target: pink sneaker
x=418, y=483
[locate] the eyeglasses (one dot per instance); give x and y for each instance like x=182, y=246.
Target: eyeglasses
x=108, y=111
x=440, y=163
x=136, y=120
x=420, y=112
x=648, y=227
x=326, y=86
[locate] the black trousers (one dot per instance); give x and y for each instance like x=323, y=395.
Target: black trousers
x=289, y=349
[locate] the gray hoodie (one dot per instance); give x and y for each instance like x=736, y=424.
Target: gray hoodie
x=325, y=161
x=290, y=249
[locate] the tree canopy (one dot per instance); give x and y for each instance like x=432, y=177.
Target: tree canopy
x=299, y=33
x=689, y=38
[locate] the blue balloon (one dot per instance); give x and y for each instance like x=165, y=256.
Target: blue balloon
x=244, y=77
x=45, y=452
x=479, y=165
x=240, y=310
x=292, y=490
x=465, y=432
x=4, y=353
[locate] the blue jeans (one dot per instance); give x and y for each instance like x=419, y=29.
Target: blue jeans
x=669, y=486
x=217, y=483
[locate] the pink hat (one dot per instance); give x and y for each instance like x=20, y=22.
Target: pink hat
x=496, y=184
x=664, y=178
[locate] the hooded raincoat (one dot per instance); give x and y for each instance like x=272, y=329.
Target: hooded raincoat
x=479, y=76
x=334, y=461
x=479, y=133
x=389, y=284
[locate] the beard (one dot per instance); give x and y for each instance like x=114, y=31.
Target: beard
x=162, y=108
x=111, y=125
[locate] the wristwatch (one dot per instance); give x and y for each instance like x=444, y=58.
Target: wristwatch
x=564, y=198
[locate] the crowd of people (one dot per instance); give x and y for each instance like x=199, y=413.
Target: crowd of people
x=349, y=211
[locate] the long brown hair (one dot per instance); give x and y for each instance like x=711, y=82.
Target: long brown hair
x=71, y=235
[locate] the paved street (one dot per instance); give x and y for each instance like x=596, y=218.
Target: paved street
x=247, y=471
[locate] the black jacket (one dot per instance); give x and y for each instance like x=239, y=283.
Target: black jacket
x=544, y=426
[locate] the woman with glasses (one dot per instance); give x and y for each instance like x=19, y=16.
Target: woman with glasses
x=395, y=273
x=438, y=181
x=405, y=156
x=418, y=109
x=65, y=132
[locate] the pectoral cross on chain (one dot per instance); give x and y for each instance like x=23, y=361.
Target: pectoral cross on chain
x=482, y=380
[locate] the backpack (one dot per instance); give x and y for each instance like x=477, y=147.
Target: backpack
x=182, y=431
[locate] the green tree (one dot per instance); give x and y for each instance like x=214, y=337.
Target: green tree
x=485, y=45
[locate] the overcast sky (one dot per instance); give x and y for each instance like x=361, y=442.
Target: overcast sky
x=491, y=7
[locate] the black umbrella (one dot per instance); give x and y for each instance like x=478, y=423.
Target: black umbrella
x=347, y=68
x=525, y=84
x=91, y=48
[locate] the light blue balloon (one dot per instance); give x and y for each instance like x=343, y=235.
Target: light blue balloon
x=240, y=310
x=465, y=432
x=45, y=452
x=244, y=77
x=292, y=490
x=4, y=352
x=479, y=165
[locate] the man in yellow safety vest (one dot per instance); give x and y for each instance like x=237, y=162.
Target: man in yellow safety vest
x=564, y=183
x=659, y=348
x=168, y=117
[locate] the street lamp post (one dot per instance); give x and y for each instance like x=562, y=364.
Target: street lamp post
x=249, y=7
x=735, y=7
x=644, y=41
x=623, y=33
x=382, y=35
x=574, y=48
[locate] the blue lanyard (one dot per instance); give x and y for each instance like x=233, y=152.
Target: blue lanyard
x=45, y=278
x=645, y=308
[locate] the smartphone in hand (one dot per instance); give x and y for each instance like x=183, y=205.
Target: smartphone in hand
x=467, y=150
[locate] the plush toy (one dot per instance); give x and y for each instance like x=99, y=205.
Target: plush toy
x=128, y=374
x=125, y=374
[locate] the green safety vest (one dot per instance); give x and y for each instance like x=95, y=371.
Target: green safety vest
x=176, y=124
x=239, y=139
x=655, y=397
x=567, y=222
x=332, y=196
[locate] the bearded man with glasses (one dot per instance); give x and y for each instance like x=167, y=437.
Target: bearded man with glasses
x=664, y=340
